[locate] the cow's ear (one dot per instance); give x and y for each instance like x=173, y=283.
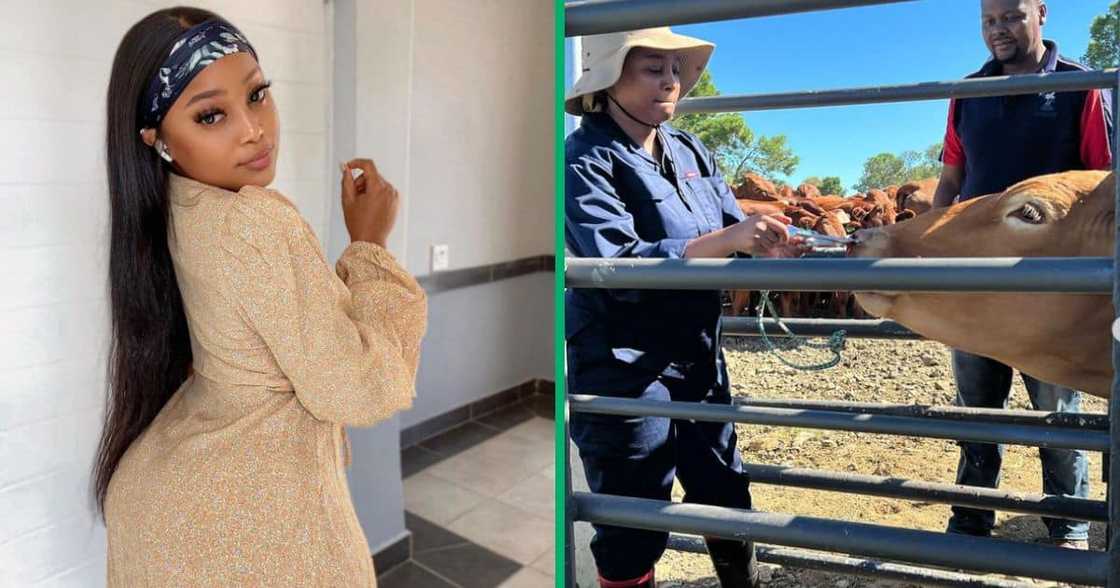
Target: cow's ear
x=1106, y=190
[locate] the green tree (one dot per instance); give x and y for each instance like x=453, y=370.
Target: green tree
x=831, y=185
x=925, y=164
x=1104, y=40
x=888, y=169
x=881, y=170
x=736, y=147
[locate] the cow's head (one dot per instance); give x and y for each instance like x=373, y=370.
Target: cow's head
x=915, y=197
x=1059, y=215
x=1069, y=214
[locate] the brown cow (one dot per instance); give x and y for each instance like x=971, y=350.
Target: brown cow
x=834, y=203
x=1059, y=338
x=750, y=207
x=882, y=211
x=806, y=190
x=756, y=187
x=916, y=197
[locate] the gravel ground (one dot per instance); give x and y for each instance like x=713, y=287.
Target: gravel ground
x=912, y=372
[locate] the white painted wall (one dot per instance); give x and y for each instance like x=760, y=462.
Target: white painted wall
x=482, y=129
x=484, y=339
x=455, y=105
x=453, y=100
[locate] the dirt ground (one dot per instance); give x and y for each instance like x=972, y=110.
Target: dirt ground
x=915, y=372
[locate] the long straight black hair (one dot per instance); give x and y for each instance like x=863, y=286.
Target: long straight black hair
x=149, y=353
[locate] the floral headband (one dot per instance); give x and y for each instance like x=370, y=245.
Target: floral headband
x=196, y=48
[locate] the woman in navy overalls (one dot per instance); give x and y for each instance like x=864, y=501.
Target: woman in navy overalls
x=636, y=187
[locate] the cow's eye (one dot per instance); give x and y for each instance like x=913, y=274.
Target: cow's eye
x=1030, y=213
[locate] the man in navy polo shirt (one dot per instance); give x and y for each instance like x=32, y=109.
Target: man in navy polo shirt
x=990, y=144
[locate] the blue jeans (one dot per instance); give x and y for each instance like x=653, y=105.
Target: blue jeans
x=986, y=383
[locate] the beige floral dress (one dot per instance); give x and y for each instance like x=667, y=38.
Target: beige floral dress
x=240, y=480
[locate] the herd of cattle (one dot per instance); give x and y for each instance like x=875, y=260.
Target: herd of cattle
x=830, y=215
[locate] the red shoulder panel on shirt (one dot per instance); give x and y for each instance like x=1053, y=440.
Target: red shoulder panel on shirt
x=952, y=150
x=1096, y=146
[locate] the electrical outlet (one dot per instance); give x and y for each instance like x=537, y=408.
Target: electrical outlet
x=439, y=258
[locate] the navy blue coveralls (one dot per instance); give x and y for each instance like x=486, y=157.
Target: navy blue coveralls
x=652, y=344
x=999, y=141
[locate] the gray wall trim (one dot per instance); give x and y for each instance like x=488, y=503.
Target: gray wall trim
x=429, y=428
x=393, y=555
x=483, y=274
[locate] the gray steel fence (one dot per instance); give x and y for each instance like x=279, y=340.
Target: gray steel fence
x=1081, y=275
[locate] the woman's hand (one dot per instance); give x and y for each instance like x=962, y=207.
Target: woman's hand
x=761, y=235
x=795, y=247
x=369, y=203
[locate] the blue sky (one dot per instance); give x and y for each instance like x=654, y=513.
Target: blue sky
x=927, y=40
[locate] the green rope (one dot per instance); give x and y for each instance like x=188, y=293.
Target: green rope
x=835, y=342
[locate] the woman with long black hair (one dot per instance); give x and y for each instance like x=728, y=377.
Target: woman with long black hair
x=237, y=354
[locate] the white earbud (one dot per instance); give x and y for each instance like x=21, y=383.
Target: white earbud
x=160, y=148
x=163, y=152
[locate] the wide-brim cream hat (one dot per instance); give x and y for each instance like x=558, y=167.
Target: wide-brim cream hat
x=604, y=55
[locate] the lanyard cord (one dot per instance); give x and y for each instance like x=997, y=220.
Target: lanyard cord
x=628, y=115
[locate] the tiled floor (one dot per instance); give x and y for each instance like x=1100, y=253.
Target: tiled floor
x=479, y=502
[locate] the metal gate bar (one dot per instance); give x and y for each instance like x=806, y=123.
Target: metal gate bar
x=827, y=562
x=1082, y=275
x=599, y=16
x=879, y=541
x=1057, y=438
x=972, y=496
x=1114, y=402
x=971, y=88
x=1037, y=418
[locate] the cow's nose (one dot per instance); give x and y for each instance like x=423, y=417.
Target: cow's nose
x=864, y=242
